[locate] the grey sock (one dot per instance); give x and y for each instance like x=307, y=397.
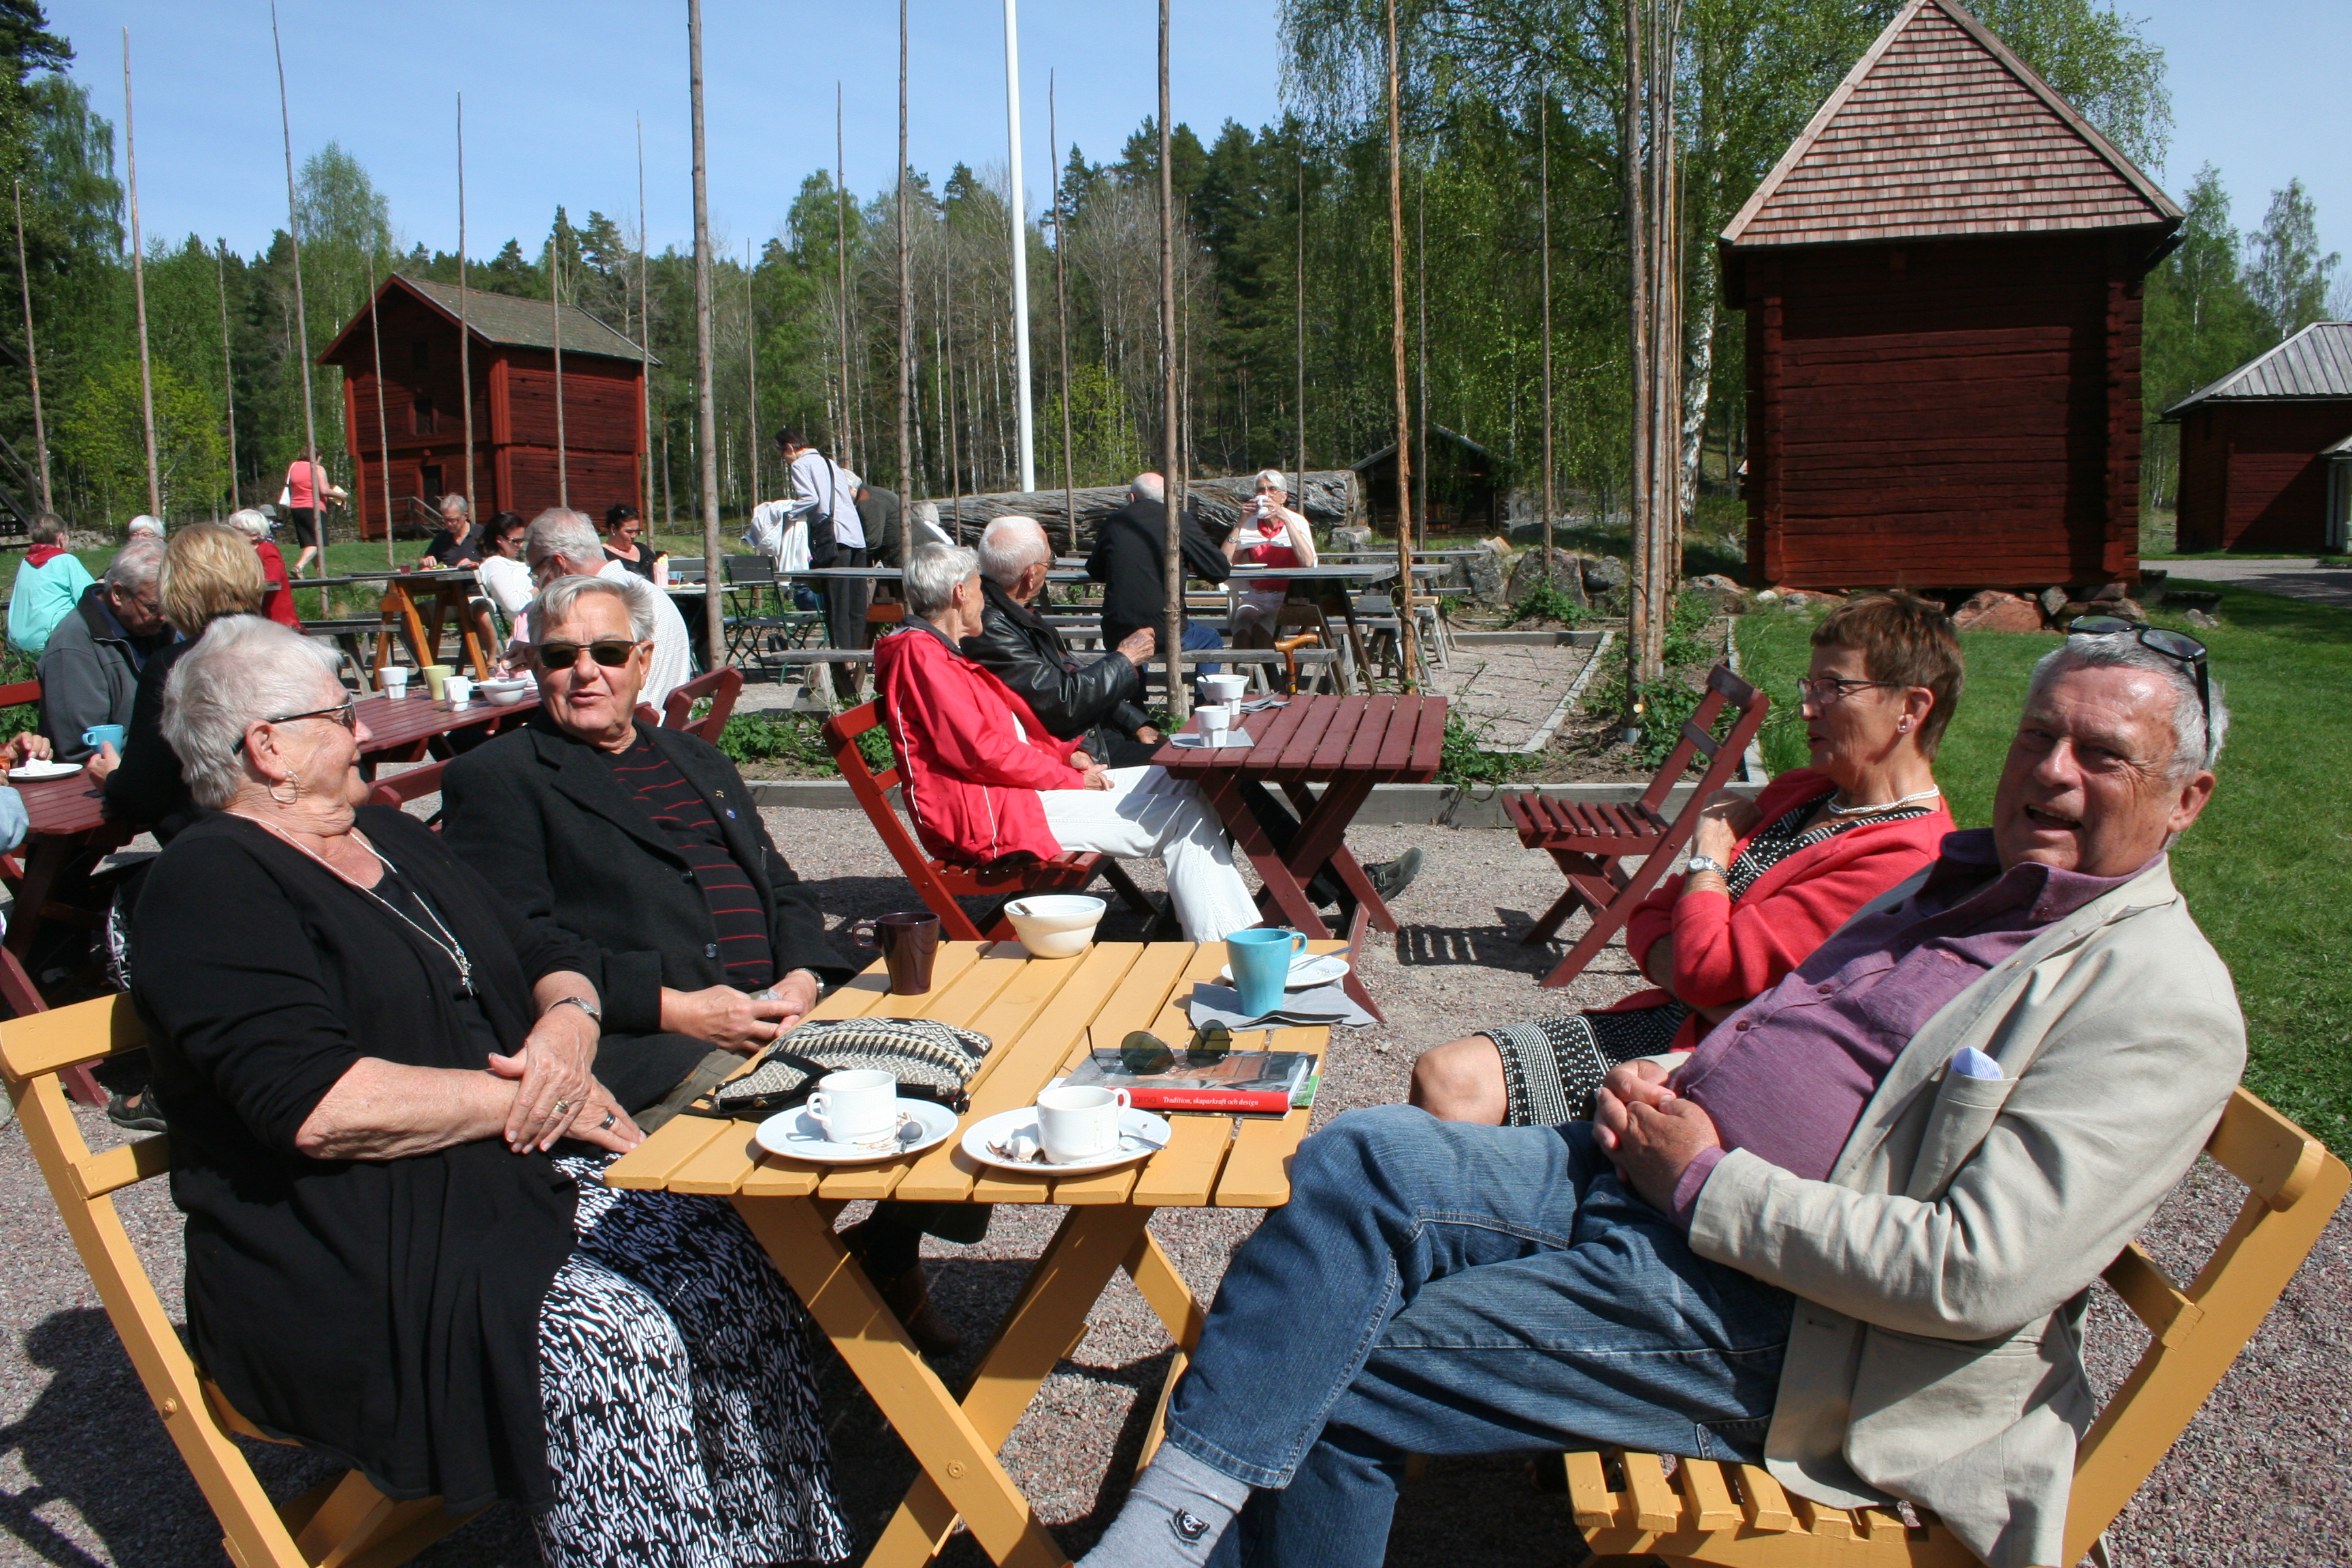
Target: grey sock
x=1174, y=1514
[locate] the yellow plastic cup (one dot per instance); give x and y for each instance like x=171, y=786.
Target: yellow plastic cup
x=434, y=674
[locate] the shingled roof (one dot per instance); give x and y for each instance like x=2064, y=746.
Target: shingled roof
x=2315, y=363
x=1940, y=132
x=506, y=320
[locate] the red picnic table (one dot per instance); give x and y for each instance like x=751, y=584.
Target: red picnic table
x=66, y=821
x=1347, y=744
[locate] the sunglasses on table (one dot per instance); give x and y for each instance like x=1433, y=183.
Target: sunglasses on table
x=1144, y=1052
x=2178, y=646
x=610, y=652
x=346, y=713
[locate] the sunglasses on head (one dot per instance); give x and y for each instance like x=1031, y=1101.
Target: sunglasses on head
x=2173, y=644
x=610, y=652
x=1144, y=1052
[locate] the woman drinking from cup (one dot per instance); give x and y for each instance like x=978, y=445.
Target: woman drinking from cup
x=1269, y=534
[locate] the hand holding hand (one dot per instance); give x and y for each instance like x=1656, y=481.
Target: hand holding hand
x=557, y=1066
x=727, y=1017
x=1137, y=643
x=1636, y=1082
x=1655, y=1144
x=1097, y=776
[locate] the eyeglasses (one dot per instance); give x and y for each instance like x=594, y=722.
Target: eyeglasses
x=2173, y=644
x=1144, y=1052
x=346, y=713
x=610, y=652
x=1830, y=689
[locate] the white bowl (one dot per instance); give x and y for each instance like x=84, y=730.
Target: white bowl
x=1056, y=925
x=503, y=690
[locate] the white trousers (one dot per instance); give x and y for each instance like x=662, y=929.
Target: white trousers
x=1146, y=814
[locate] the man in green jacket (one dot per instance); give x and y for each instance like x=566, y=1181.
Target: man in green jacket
x=50, y=583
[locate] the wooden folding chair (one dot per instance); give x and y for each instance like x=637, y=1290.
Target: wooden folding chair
x=414, y=784
x=721, y=686
x=938, y=883
x=1719, y=1512
x=1587, y=841
x=345, y=1522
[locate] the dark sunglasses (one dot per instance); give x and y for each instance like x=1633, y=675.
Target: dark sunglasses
x=346, y=713
x=610, y=652
x=2173, y=644
x=1144, y=1052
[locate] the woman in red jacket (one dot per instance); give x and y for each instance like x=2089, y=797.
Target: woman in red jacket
x=1765, y=880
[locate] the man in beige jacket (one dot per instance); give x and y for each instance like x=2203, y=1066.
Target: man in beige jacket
x=1851, y=1239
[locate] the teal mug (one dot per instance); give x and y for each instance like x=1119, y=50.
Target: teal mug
x=98, y=735
x=1260, y=960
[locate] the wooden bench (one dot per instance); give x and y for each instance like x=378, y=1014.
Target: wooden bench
x=1587, y=840
x=345, y=1522
x=1628, y=1509
x=939, y=884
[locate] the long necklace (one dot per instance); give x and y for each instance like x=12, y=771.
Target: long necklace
x=447, y=942
x=1834, y=809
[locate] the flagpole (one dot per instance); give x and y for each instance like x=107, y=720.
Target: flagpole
x=139, y=290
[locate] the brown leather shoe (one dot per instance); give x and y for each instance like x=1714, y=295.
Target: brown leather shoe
x=908, y=1297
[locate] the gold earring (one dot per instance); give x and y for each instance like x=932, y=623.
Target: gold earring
x=293, y=782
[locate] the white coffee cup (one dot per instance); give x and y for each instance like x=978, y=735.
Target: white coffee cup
x=1215, y=720
x=857, y=1103
x=1227, y=689
x=458, y=689
x=393, y=679
x=1077, y=1123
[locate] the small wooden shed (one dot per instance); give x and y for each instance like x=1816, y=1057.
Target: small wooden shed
x=1942, y=278
x=2267, y=451
x=513, y=365
x=1465, y=484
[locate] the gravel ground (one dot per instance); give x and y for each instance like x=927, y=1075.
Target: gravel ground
x=86, y=1475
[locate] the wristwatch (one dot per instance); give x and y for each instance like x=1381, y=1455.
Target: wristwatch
x=1698, y=863
x=582, y=1003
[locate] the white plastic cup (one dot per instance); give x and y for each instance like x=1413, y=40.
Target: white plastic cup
x=458, y=689
x=1216, y=721
x=393, y=679
x=1228, y=689
x=1078, y=1123
x=860, y=1103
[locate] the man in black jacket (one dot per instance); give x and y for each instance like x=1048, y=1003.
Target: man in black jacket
x=1130, y=559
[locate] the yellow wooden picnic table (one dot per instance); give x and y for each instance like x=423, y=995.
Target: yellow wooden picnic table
x=1041, y=1015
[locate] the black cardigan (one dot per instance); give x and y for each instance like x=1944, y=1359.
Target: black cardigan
x=542, y=816
x=1130, y=557
x=385, y=1311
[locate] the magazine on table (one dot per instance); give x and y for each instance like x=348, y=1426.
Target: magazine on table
x=1245, y=1083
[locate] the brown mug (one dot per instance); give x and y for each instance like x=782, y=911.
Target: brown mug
x=910, y=944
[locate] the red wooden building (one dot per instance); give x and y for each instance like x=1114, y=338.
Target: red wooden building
x=513, y=367
x=2264, y=461
x=1942, y=282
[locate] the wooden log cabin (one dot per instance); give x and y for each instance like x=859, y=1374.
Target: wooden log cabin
x=2267, y=451
x=1462, y=481
x=1941, y=279
x=513, y=367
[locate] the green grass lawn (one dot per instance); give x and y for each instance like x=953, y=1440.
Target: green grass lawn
x=2264, y=869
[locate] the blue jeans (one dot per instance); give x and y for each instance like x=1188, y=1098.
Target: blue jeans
x=1437, y=1288
x=1198, y=637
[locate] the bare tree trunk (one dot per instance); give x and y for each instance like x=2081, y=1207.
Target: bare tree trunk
x=465, y=332
x=1171, y=634
x=751, y=391
x=645, y=349
x=301, y=316
x=1550, y=465
x=1405, y=643
x=555, y=291
x=383, y=423
x=844, y=444
x=1298, y=300
x=33, y=359
x=1420, y=250
x=906, y=283
x=228, y=368
x=706, y=411
x=139, y=290
x=1061, y=311
x=1653, y=244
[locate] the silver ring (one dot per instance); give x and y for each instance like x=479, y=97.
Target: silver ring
x=607, y=1125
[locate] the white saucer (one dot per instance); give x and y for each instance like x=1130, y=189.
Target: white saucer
x=795, y=1134
x=1307, y=971
x=38, y=769
x=1140, y=1135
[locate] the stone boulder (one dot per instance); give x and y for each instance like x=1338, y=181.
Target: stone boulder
x=2053, y=600
x=1351, y=539
x=1605, y=574
x=2200, y=620
x=1484, y=573
x=1566, y=574
x=1994, y=611
x=1719, y=592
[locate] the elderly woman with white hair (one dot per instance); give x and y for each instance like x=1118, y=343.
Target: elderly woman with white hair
x=278, y=605
x=386, y=1133
x=1268, y=534
x=987, y=781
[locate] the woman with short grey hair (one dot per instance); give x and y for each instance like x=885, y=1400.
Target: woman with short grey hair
x=388, y=1137
x=279, y=604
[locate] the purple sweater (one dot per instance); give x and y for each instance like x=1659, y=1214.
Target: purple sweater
x=1787, y=1077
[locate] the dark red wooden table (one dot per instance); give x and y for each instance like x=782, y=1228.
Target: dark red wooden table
x=1347, y=744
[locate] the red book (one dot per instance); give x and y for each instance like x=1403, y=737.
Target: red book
x=1239, y=1083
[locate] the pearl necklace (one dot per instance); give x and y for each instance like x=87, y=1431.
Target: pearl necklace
x=1834, y=809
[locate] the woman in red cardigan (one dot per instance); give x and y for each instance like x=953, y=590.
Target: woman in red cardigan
x=1765, y=881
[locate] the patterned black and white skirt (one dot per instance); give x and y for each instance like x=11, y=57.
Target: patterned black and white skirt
x=675, y=1372
x=1551, y=1066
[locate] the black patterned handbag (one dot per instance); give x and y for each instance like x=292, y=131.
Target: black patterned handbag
x=931, y=1061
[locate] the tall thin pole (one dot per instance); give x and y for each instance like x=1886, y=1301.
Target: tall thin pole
x=138, y=290
x=32, y=358
x=228, y=381
x=1543, y=166
x=555, y=292
x=1171, y=628
x=1020, y=225
x=1298, y=301
x=1062, y=319
x=383, y=425
x=841, y=443
x=465, y=327
x=1403, y=408
x=751, y=387
x=906, y=289
x=947, y=354
x=301, y=316
x=706, y=413
x=644, y=335
x=1420, y=345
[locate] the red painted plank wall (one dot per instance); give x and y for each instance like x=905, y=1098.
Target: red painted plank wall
x=600, y=402
x=2250, y=476
x=1943, y=414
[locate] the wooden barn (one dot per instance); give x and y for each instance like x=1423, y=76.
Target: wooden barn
x=513, y=365
x=1942, y=278
x=2267, y=451
x=1465, y=484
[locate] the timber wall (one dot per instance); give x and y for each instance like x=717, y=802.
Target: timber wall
x=2251, y=474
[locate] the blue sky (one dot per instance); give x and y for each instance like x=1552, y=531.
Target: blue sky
x=553, y=89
